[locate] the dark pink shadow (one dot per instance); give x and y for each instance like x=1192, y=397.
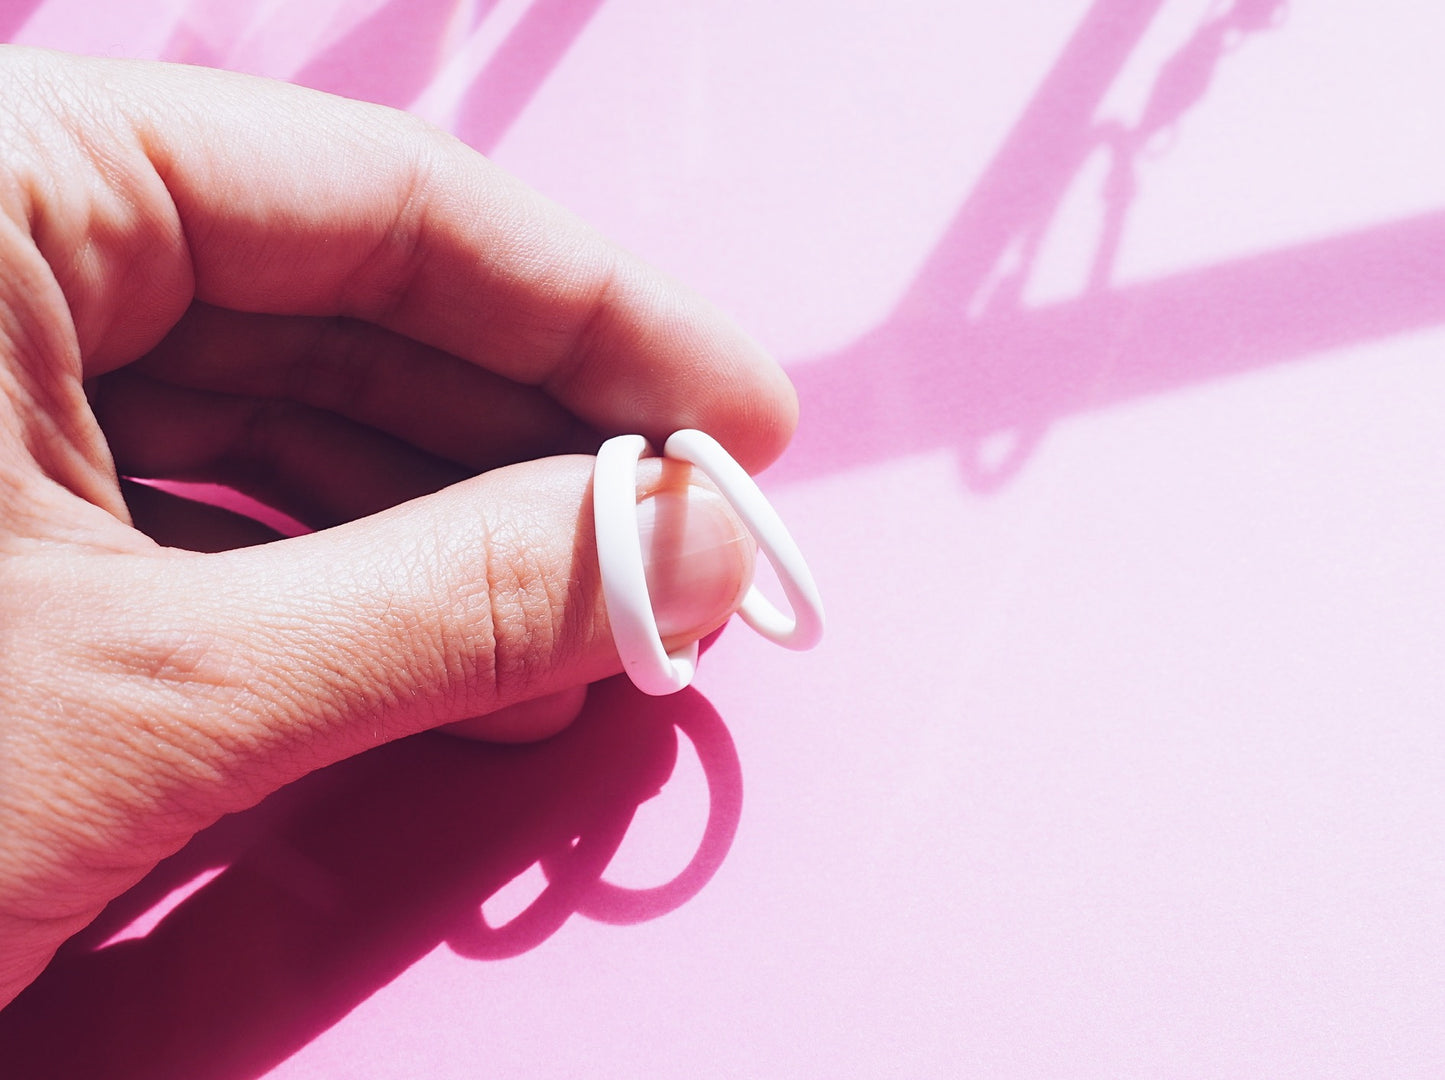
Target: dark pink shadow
x=392, y=55
x=389, y=57
x=516, y=72
x=991, y=387
x=339, y=883
x=962, y=363
x=13, y=15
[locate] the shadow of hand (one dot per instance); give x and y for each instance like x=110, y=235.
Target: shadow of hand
x=340, y=883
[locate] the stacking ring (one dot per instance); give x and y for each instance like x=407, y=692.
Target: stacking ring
x=624, y=583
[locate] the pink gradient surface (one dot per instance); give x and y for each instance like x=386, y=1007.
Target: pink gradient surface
x=1118, y=327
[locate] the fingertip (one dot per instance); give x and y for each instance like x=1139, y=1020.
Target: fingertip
x=698, y=556
x=755, y=406
x=777, y=424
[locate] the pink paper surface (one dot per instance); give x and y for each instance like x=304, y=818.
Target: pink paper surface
x=1118, y=330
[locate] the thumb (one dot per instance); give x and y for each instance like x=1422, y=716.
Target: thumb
x=467, y=605
x=225, y=676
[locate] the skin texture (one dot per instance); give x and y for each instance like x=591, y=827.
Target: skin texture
x=357, y=320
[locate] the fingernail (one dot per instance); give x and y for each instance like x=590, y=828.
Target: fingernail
x=698, y=558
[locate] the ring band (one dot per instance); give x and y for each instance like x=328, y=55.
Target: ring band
x=624, y=583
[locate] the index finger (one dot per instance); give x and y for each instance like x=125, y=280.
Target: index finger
x=295, y=202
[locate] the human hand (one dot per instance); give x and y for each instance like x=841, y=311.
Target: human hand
x=348, y=316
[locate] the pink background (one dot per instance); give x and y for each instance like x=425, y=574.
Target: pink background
x=1118, y=327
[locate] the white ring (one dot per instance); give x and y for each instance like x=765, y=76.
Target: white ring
x=804, y=628
x=624, y=583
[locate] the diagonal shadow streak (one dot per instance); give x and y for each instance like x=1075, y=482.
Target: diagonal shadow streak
x=388, y=57
x=961, y=363
x=14, y=14
x=536, y=45
x=398, y=51
x=918, y=386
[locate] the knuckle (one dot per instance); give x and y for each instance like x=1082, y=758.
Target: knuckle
x=524, y=609
x=384, y=280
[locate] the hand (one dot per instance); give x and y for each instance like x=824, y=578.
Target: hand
x=357, y=320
